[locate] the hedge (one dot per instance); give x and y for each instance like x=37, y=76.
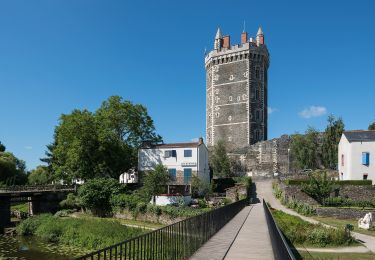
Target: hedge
x=346, y=182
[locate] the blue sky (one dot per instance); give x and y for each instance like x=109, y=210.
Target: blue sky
x=63, y=54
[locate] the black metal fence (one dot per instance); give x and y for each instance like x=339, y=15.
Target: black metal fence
x=177, y=241
x=280, y=246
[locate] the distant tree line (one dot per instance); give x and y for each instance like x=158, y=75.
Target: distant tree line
x=314, y=150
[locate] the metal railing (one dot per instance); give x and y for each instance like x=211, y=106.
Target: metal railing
x=177, y=241
x=280, y=246
x=37, y=188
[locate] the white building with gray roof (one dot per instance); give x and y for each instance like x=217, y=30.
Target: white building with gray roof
x=356, y=155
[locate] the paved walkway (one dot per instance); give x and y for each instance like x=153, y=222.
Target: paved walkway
x=218, y=245
x=264, y=189
x=246, y=236
x=253, y=241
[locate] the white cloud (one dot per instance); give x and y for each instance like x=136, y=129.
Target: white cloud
x=195, y=140
x=313, y=111
x=271, y=110
x=28, y=147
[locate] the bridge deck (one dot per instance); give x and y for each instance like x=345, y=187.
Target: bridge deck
x=246, y=236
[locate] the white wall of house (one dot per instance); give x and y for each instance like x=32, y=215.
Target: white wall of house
x=350, y=159
x=148, y=158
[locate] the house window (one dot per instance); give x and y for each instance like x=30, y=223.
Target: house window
x=172, y=174
x=365, y=175
x=170, y=153
x=366, y=159
x=187, y=175
x=188, y=153
x=342, y=160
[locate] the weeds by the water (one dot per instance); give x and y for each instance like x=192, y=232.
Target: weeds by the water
x=86, y=233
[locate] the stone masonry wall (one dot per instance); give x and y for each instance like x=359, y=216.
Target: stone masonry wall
x=342, y=213
x=265, y=158
x=357, y=192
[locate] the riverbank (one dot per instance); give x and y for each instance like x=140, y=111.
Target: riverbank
x=87, y=233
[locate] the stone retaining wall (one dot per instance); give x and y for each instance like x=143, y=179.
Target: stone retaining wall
x=357, y=192
x=342, y=213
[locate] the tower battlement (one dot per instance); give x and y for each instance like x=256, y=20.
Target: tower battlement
x=236, y=91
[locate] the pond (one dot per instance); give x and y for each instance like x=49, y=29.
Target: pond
x=19, y=247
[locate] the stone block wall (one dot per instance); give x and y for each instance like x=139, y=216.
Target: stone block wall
x=265, y=158
x=357, y=192
x=234, y=193
x=295, y=193
x=343, y=213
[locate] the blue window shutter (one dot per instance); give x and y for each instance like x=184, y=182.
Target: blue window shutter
x=365, y=158
x=172, y=174
x=187, y=175
x=174, y=153
x=187, y=153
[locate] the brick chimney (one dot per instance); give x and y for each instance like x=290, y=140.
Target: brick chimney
x=243, y=37
x=226, y=42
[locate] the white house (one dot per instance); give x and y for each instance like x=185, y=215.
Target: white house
x=183, y=160
x=129, y=176
x=356, y=154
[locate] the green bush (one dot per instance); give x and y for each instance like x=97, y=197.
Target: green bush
x=125, y=201
x=71, y=202
x=96, y=194
x=354, y=182
x=301, y=232
x=347, y=202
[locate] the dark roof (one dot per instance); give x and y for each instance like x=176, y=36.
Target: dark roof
x=360, y=135
x=177, y=145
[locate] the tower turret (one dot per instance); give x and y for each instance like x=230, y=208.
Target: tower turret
x=218, y=40
x=260, y=37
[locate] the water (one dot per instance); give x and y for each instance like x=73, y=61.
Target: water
x=31, y=248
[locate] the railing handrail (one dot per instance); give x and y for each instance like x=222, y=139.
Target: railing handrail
x=167, y=229
x=280, y=246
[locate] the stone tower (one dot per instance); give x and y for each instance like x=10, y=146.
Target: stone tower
x=236, y=91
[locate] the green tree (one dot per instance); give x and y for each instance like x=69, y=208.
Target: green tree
x=371, y=126
x=319, y=186
x=12, y=170
x=331, y=139
x=200, y=188
x=305, y=149
x=220, y=161
x=2, y=147
x=95, y=195
x=101, y=144
x=39, y=176
x=154, y=182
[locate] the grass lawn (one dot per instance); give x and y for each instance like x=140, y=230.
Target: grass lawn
x=23, y=207
x=340, y=223
x=141, y=224
x=335, y=256
x=302, y=233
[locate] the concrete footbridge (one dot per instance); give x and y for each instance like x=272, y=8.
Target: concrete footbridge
x=251, y=234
